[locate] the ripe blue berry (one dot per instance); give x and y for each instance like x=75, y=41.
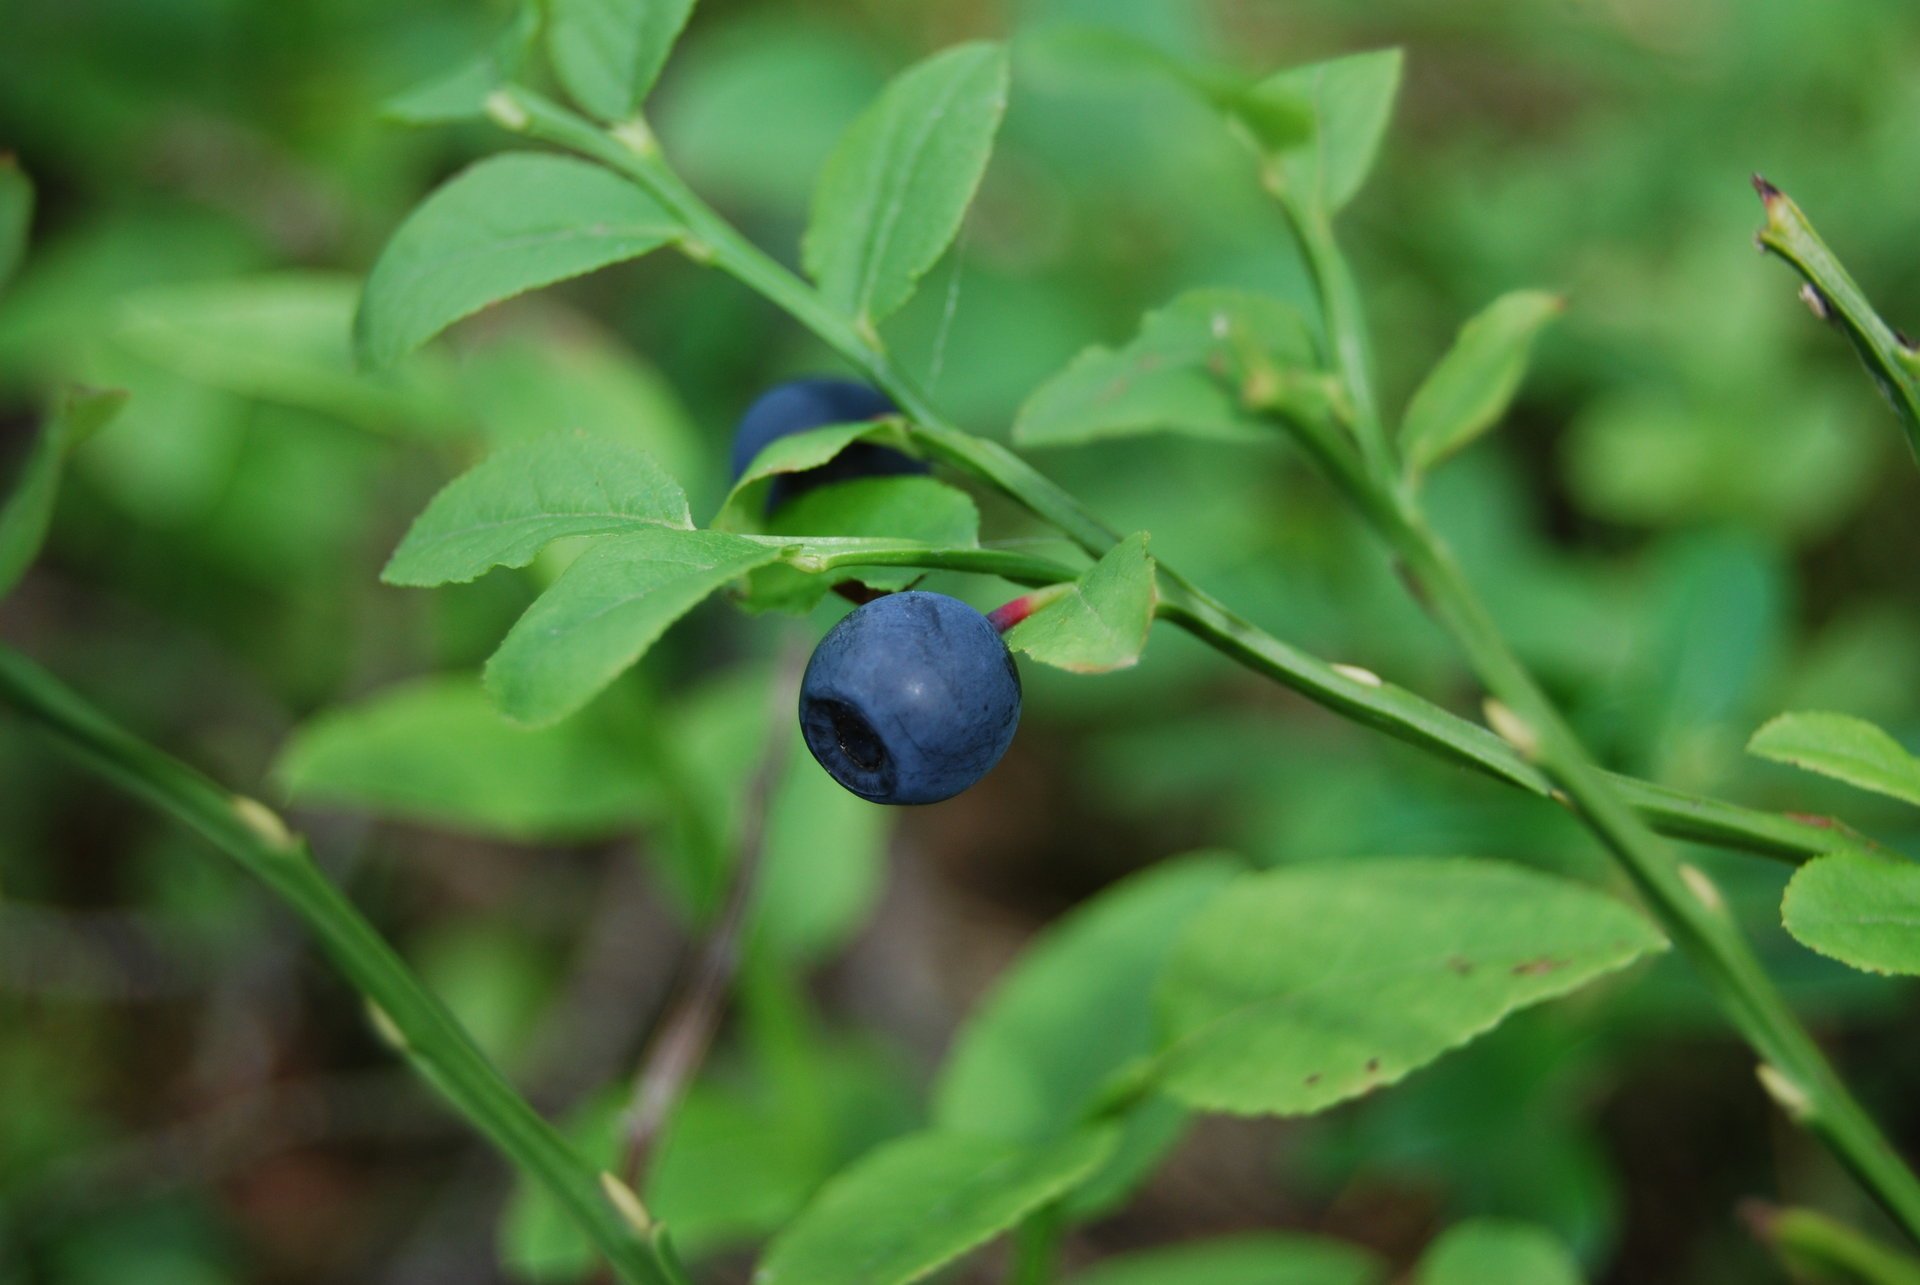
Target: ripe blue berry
x=801, y=404
x=910, y=699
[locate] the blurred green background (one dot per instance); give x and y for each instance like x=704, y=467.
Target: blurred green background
x=1698, y=516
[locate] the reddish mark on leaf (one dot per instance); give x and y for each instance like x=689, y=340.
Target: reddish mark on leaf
x=1539, y=967
x=1313, y=1079
x=1461, y=965
x=1373, y=1066
x=1813, y=819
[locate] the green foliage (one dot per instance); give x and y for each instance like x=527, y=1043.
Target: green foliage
x=506, y=225
x=1470, y=388
x=1843, y=747
x=1208, y=365
x=505, y=510
x=1098, y=622
x=1352, y=99
x=796, y=453
x=1816, y=1248
x=26, y=514
x=461, y=94
x=1860, y=909
x=437, y=751
x=1252, y=1259
x=608, y=52
x=16, y=215
x=914, y=1205
x=1490, y=1251
x=1306, y=986
x=893, y=194
x=604, y=612
x=900, y=508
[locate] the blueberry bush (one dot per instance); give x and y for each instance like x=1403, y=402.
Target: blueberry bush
x=605, y=628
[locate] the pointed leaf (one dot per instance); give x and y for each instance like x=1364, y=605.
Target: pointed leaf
x=1189, y=371
x=16, y=215
x=1471, y=387
x=438, y=751
x=503, y=511
x=798, y=453
x=1100, y=621
x=507, y=225
x=913, y=1205
x=26, y=514
x=1352, y=100
x=1262, y=1258
x=891, y=197
x=1306, y=986
x=1843, y=747
x=915, y=509
x=1489, y=1250
x=608, y=52
x=605, y=610
x=1859, y=909
x=461, y=94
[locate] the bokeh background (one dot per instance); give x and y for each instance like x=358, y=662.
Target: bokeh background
x=1698, y=515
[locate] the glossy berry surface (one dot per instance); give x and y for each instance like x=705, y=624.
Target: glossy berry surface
x=802, y=404
x=910, y=699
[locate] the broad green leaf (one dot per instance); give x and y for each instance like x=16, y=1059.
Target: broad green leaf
x=281, y=337
x=607, y=53
x=891, y=196
x=798, y=453
x=438, y=751
x=1892, y=360
x=26, y=514
x=1860, y=909
x=917, y=509
x=496, y=978
x=1471, y=387
x=1814, y=1247
x=1100, y=621
x=1075, y=1009
x=1843, y=747
x=1190, y=370
x=504, y=226
x=461, y=94
x=504, y=510
x=1306, y=986
x=603, y=613
x=1259, y=1258
x=1352, y=99
x=16, y=214
x=1494, y=1251
x=913, y=1205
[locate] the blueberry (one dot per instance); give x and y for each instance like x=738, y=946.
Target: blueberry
x=801, y=404
x=910, y=699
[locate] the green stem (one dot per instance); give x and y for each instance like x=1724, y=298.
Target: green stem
x=1346, y=330
x=428, y=1035
x=1379, y=705
x=1036, y=1248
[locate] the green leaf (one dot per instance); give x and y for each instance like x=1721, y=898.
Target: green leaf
x=891, y=196
x=461, y=94
x=281, y=337
x=1494, y=1251
x=1100, y=621
x=1075, y=1009
x=504, y=226
x=1814, y=1247
x=506, y=509
x=605, y=610
x=438, y=751
x=16, y=215
x=25, y=515
x=1261, y=1258
x=607, y=53
x=1891, y=359
x=1471, y=387
x=1843, y=747
x=1306, y=986
x=915, y=1204
x=1189, y=370
x=1352, y=99
x=1860, y=909
x=919, y=509
x=798, y=453
x=813, y=895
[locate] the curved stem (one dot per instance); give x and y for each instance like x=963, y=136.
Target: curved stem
x=401, y=1007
